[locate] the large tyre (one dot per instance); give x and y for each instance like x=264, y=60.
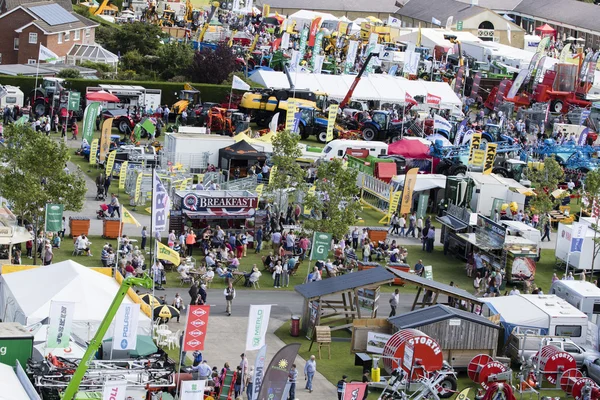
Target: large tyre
x=443, y=167
x=458, y=170
x=369, y=134
x=39, y=108
x=322, y=137
x=448, y=387
x=123, y=125
x=262, y=121
x=557, y=106
x=503, y=172
x=302, y=131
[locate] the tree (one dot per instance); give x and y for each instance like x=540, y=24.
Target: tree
x=32, y=173
x=334, y=201
x=140, y=36
x=133, y=61
x=286, y=173
x=212, y=66
x=545, y=182
x=174, y=59
x=69, y=73
x=591, y=193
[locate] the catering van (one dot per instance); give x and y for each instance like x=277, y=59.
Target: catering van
x=338, y=148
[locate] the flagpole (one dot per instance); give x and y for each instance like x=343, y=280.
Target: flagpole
x=181, y=349
x=37, y=71
x=118, y=243
x=230, y=94
x=151, y=251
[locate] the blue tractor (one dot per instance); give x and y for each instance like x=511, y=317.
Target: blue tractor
x=493, y=134
x=311, y=123
x=381, y=127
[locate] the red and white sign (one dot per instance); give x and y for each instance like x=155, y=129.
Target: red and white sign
x=433, y=99
x=195, y=329
x=409, y=99
x=114, y=390
x=354, y=391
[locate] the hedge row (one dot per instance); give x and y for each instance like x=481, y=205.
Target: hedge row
x=212, y=93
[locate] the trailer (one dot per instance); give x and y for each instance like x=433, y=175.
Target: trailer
x=194, y=151
x=130, y=96
x=11, y=96
x=581, y=261
x=584, y=295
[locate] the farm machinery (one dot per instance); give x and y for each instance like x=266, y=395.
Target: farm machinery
x=51, y=98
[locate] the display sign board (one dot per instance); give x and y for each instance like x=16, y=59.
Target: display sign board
x=489, y=234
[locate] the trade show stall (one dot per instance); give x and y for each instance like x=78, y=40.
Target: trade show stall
x=240, y=155
x=579, y=261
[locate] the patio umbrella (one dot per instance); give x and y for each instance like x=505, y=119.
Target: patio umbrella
x=165, y=311
x=143, y=347
x=545, y=29
x=102, y=95
x=150, y=300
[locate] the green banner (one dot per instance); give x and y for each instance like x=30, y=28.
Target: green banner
x=74, y=100
x=320, y=246
x=422, y=206
x=149, y=126
x=317, y=48
x=89, y=120
x=137, y=132
x=23, y=120
x=54, y=215
x=303, y=41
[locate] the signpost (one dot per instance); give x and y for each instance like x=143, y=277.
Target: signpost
x=459, y=26
x=74, y=100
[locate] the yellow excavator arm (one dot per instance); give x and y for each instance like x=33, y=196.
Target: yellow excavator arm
x=101, y=7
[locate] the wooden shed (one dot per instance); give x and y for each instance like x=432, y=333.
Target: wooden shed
x=461, y=334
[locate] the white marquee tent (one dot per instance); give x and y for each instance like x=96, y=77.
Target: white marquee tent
x=381, y=87
x=431, y=37
x=305, y=17
x=25, y=296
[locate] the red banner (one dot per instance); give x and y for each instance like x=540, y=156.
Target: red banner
x=433, y=99
x=314, y=27
x=195, y=329
x=409, y=99
x=354, y=391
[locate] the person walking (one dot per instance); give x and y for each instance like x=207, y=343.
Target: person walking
x=546, y=230
x=402, y=225
x=394, y=300
x=193, y=292
x=178, y=304
x=309, y=372
x=292, y=377
x=229, y=293
x=412, y=221
x=258, y=238
x=340, y=386
x=144, y=238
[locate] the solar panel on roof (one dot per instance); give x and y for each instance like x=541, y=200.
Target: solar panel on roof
x=53, y=14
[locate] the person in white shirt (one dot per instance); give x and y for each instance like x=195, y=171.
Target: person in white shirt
x=514, y=292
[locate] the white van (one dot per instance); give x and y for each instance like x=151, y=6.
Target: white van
x=339, y=147
x=585, y=296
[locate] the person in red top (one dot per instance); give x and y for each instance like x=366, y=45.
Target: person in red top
x=129, y=270
x=75, y=130
x=304, y=243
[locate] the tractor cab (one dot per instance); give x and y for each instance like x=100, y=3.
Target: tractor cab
x=239, y=121
x=168, y=18
x=381, y=118
x=321, y=100
x=186, y=98
x=516, y=169
x=493, y=133
x=52, y=86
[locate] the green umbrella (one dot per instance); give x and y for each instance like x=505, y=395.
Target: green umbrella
x=144, y=346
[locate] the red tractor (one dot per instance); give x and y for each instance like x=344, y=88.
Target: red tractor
x=50, y=98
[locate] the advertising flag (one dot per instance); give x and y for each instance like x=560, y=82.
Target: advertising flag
x=564, y=53
x=123, y=174
x=273, y=123
x=239, y=84
x=89, y=119
x=578, y=237
x=258, y=322
x=436, y=21
x=93, y=151
x=192, y=390
x=114, y=390
x=354, y=391
x=333, y=110
x=475, y=85
x=475, y=142
x=266, y=10
x=351, y=56
x=105, y=139
x=460, y=80
x=303, y=42
x=543, y=44
x=318, y=68
x=583, y=137
x=285, y=41
x=54, y=215
x=449, y=22
x=512, y=92
x=409, y=99
x=584, y=116
x=490, y=156
x=276, y=375
x=61, y=322
x=460, y=131
x=289, y=117
x=138, y=187
x=314, y=27
x=160, y=203
x=126, y=323
x=433, y=99
x=317, y=48
x=195, y=329
x=127, y=218
x=394, y=22
x=45, y=54
x=441, y=123
x=110, y=163
x=407, y=193
x=164, y=252
x=321, y=244
x=259, y=371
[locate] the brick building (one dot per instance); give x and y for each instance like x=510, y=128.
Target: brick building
x=24, y=26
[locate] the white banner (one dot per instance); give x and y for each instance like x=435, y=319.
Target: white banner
x=126, y=322
x=449, y=23
x=192, y=390
x=114, y=390
x=160, y=202
x=61, y=322
x=295, y=61
x=239, y=84
x=285, y=41
x=259, y=371
x=319, y=64
x=249, y=6
x=352, y=50
x=45, y=54
x=577, y=237
x=376, y=342
x=441, y=123
x=394, y=22
x=258, y=322
x=273, y=123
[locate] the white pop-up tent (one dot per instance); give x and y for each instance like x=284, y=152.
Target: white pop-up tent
x=305, y=18
x=25, y=296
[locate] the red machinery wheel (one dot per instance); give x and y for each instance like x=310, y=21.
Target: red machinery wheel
x=553, y=361
x=580, y=385
x=422, y=350
x=476, y=364
x=569, y=378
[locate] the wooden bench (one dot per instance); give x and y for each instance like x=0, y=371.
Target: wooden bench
x=323, y=339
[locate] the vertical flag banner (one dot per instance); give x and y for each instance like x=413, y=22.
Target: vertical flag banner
x=354, y=390
x=259, y=371
x=273, y=123
x=303, y=42
x=276, y=375
x=258, y=322
x=578, y=237
x=490, y=157
x=351, y=56
x=333, y=110
x=45, y=54
x=160, y=202
x=128, y=218
x=195, y=329
x=433, y=99
x=54, y=214
x=318, y=67
x=289, y=117
x=89, y=120
x=272, y=173
x=192, y=390
x=285, y=41
x=138, y=187
x=114, y=390
x=123, y=174
x=321, y=245
x=475, y=86
x=475, y=142
x=126, y=323
x=394, y=22
x=105, y=139
x=512, y=92
x=508, y=33
x=583, y=137
x=409, y=187
x=110, y=163
x=61, y=322
x=317, y=48
x=314, y=27
x=266, y=10
x=93, y=151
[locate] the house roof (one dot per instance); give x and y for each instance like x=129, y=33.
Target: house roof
x=10, y=4
x=424, y=10
x=372, y=276
x=496, y=5
x=44, y=15
x=437, y=313
x=381, y=6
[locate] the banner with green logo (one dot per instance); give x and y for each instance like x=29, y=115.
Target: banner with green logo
x=61, y=322
x=320, y=246
x=317, y=48
x=89, y=120
x=54, y=214
x=303, y=42
x=422, y=206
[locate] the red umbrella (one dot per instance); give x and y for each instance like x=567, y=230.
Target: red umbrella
x=546, y=29
x=102, y=95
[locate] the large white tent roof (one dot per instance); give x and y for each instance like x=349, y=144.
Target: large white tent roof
x=431, y=37
x=371, y=87
x=517, y=311
x=27, y=295
x=303, y=17
x=11, y=386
